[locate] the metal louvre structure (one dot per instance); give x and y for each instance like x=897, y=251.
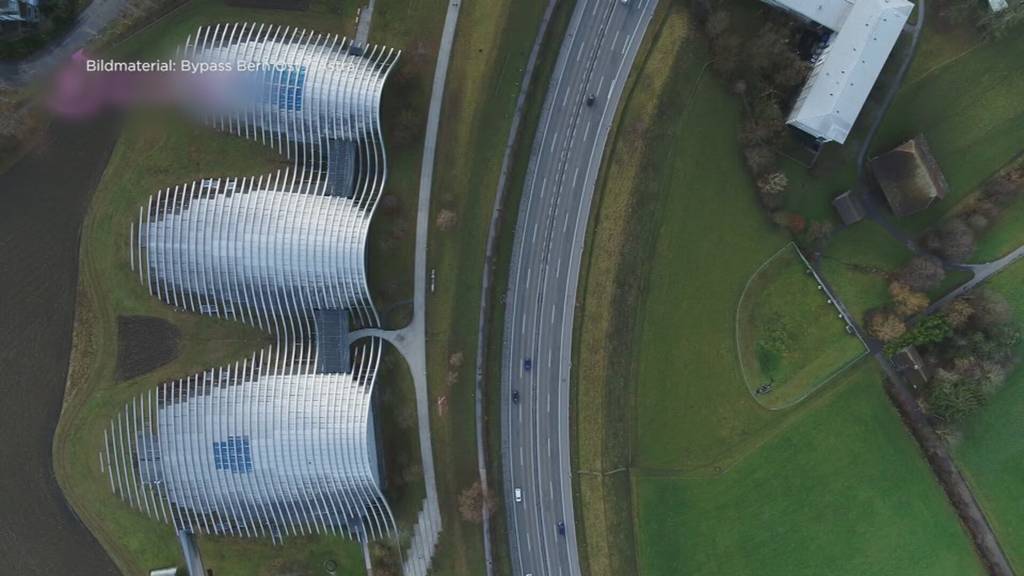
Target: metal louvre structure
x=253, y=449
x=281, y=443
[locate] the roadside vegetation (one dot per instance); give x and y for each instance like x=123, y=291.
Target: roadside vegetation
x=987, y=444
x=790, y=337
x=492, y=44
x=619, y=243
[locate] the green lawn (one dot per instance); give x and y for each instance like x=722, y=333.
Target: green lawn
x=788, y=335
x=970, y=107
x=693, y=409
x=843, y=491
x=856, y=263
x=991, y=450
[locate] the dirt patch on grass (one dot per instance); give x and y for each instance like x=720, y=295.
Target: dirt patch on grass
x=144, y=343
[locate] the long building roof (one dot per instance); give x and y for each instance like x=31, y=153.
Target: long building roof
x=847, y=69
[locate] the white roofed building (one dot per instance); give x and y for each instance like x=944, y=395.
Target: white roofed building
x=865, y=32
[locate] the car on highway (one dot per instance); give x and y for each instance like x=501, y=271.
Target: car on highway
x=515, y=396
x=561, y=528
x=590, y=100
x=519, y=495
x=527, y=364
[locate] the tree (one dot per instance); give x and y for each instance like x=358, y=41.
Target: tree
x=951, y=399
x=760, y=159
x=446, y=219
x=998, y=24
x=906, y=301
x=884, y=325
x=718, y=23
x=958, y=313
x=954, y=240
x=770, y=187
x=922, y=273
x=472, y=502
x=725, y=55
x=991, y=309
x=818, y=231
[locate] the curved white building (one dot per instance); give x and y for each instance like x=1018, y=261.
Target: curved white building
x=282, y=443
x=252, y=450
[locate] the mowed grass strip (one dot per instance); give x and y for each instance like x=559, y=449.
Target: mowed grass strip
x=990, y=449
x=492, y=44
x=843, y=491
x=790, y=336
x=620, y=236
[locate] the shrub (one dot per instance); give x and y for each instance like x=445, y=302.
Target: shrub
x=922, y=273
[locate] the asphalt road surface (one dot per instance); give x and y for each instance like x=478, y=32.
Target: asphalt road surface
x=579, y=108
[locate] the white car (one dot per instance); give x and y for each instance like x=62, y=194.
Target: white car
x=519, y=495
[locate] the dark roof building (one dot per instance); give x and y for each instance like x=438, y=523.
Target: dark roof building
x=911, y=366
x=910, y=177
x=849, y=208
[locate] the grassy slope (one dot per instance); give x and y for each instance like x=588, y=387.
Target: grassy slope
x=492, y=45
x=621, y=234
x=991, y=452
x=788, y=334
x=543, y=71
x=692, y=405
x=843, y=491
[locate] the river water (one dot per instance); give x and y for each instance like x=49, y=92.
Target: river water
x=43, y=201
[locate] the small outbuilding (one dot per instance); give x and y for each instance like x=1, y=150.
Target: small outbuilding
x=911, y=366
x=909, y=177
x=849, y=208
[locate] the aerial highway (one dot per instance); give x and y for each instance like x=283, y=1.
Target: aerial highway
x=580, y=105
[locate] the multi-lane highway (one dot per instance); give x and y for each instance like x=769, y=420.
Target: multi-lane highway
x=592, y=68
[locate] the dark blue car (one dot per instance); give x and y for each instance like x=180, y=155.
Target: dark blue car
x=527, y=364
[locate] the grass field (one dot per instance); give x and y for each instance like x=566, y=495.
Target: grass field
x=843, y=491
x=492, y=45
x=990, y=451
x=710, y=236
x=788, y=335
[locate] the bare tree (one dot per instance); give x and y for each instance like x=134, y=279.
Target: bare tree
x=922, y=273
x=885, y=325
x=472, y=502
x=446, y=219
x=906, y=301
